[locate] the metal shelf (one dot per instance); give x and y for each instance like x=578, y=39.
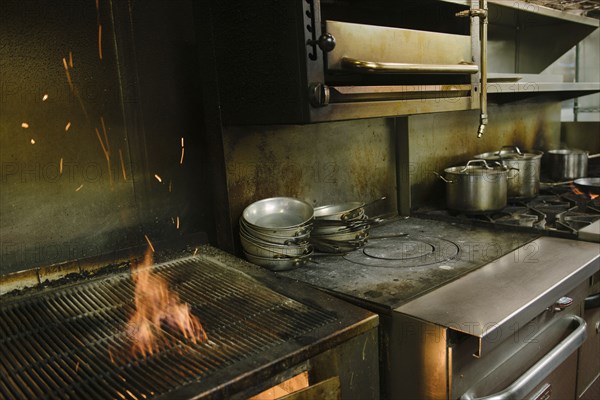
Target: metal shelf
x=501, y=92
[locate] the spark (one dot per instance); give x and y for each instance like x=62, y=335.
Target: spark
x=77, y=366
x=177, y=225
x=195, y=251
x=24, y=125
x=45, y=97
x=122, y=165
x=182, y=152
x=79, y=188
x=70, y=59
x=105, y=135
x=101, y=143
x=158, y=178
x=68, y=75
x=67, y=126
x=170, y=186
x=32, y=141
x=149, y=243
x=100, y=41
x=60, y=166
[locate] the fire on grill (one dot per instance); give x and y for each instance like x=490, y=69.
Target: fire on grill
x=155, y=304
x=138, y=335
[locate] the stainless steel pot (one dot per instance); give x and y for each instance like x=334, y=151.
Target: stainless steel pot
x=476, y=188
x=524, y=182
x=567, y=164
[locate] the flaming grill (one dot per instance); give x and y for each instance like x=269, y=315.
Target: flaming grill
x=72, y=342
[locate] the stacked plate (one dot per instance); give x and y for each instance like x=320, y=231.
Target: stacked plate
x=339, y=228
x=275, y=233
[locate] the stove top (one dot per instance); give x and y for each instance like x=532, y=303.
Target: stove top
x=557, y=211
x=407, y=258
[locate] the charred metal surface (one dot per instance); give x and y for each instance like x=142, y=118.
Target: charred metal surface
x=321, y=163
x=391, y=284
x=439, y=141
x=47, y=277
x=258, y=326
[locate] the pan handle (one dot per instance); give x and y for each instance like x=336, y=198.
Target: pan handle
x=594, y=155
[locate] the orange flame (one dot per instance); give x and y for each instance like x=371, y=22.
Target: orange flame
x=156, y=304
x=575, y=190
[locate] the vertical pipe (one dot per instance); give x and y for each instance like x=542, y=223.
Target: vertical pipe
x=483, y=25
x=576, y=101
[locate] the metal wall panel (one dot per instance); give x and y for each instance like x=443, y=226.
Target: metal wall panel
x=438, y=141
x=319, y=163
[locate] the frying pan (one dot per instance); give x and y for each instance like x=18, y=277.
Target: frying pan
x=588, y=185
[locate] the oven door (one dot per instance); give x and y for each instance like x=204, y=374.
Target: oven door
x=536, y=362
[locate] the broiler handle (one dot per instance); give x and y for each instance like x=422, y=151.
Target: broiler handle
x=375, y=67
x=536, y=374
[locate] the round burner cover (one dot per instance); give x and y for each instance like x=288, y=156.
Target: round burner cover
x=404, y=252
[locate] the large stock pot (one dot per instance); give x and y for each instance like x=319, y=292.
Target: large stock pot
x=524, y=182
x=476, y=188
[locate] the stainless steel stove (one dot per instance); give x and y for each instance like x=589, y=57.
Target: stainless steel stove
x=459, y=300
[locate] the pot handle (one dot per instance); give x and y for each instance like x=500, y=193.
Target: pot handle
x=515, y=175
x=442, y=178
x=513, y=148
x=470, y=162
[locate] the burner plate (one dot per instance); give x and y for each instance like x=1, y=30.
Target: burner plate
x=404, y=252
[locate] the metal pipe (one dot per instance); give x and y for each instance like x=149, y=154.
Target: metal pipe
x=576, y=101
x=483, y=25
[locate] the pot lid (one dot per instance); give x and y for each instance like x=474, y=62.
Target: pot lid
x=510, y=153
x=567, y=151
x=477, y=167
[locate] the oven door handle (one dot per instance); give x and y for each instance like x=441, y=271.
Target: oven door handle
x=375, y=67
x=536, y=374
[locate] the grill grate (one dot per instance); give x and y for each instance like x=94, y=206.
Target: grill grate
x=72, y=343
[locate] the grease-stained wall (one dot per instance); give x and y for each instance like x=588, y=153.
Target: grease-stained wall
x=360, y=160
x=319, y=163
x=438, y=141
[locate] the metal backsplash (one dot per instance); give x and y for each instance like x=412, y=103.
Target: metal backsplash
x=319, y=163
x=97, y=101
x=438, y=141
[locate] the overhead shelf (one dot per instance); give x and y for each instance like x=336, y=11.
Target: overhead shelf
x=501, y=92
x=539, y=9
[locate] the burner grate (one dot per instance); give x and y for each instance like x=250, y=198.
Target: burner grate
x=72, y=343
